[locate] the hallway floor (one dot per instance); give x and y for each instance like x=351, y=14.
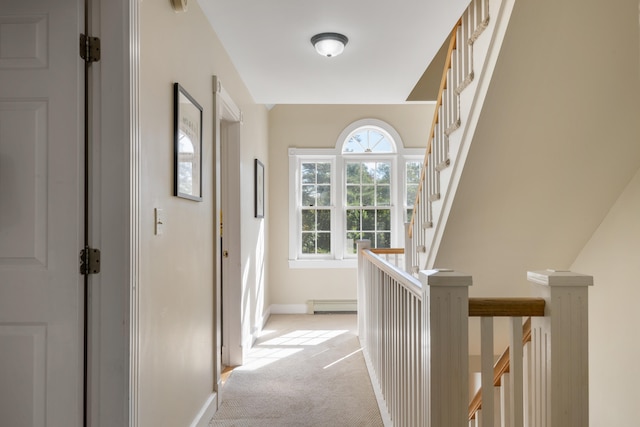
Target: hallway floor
x=305, y=370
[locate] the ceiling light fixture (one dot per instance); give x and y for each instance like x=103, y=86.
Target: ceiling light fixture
x=329, y=44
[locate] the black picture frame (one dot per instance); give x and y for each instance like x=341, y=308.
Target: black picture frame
x=259, y=189
x=187, y=124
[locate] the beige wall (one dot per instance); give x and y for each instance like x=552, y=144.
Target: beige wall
x=318, y=126
x=612, y=256
x=557, y=143
x=557, y=140
x=177, y=270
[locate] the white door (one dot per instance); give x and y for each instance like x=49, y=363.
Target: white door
x=40, y=213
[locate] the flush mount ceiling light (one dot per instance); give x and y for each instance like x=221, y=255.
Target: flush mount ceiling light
x=329, y=44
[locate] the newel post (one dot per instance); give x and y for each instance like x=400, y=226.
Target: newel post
x=361, y=303
x=560, y=350
x=408, y=249
x=445, y=355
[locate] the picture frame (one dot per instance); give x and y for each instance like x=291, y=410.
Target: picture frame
x=259, y=189
x=187, y=124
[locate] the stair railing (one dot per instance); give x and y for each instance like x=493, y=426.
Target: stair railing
x=414, y=335
x=457, y=75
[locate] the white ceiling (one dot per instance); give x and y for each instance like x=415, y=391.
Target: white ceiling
x=390, y=46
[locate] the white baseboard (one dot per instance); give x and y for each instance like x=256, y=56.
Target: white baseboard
x=207, y=412
x=288, y=309
x=333, y=305
x=265, y=317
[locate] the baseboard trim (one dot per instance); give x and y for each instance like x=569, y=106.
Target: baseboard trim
x=288, y=309
x=319, y=306
x=203, y=418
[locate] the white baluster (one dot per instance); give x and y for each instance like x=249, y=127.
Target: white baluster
x=486, y=356
x=515, y=371
x=505, y=400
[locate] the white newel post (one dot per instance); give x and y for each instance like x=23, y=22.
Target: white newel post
x=408, y=249
x=361, y=303
x=445, y=354
x=560, y=352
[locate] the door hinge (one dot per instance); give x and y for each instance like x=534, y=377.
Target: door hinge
x=89, y=261
x=89, y=48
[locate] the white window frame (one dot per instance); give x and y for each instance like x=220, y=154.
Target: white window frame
x=337, y=258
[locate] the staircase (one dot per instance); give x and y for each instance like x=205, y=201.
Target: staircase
x=473, y=50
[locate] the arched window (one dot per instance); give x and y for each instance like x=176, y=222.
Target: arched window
x=368, y=139
x=362, y=189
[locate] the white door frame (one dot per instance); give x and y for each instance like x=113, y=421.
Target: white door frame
x=115, y=178
x=227, y=123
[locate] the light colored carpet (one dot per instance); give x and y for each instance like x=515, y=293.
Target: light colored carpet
x=305, y=370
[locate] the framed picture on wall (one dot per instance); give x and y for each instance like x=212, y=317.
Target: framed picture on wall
x=259, y=189
x=187, y=123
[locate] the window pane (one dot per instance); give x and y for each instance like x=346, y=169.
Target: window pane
x=324, y=243
x=368, y=172
x=350, y=243
x=383, y=240
x=308, y=195
x=368, y=219
x=354, y=144
x=324, y=220
x=324, y=195
x=308, y=220
x=368, y=193
x=353, y=195
x=308, y=243
x=383, y=219
x=368, y=140
x=412, y=190
x=383, y=197
x=308, y=173
x=413, y=172
x=324, y=173
x=353, y=173
x=384, y=146
x=409, y=215
x=383, y=173
x=371, y=237
x=353, y=219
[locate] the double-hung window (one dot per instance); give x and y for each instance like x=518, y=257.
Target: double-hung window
x=364, y=188
x=315, y=207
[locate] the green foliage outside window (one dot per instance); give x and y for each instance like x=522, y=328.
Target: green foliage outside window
x=368, y=194
x=316, y=199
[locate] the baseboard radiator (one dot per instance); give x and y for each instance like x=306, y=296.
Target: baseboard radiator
x=327, y=306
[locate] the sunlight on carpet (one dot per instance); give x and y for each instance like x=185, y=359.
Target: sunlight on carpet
x=304, y=370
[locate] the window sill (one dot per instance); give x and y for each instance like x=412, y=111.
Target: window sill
x=323, y=263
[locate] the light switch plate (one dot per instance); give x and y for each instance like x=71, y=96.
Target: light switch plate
x=159, y=221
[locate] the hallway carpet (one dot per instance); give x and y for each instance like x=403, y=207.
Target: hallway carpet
x=305, y=370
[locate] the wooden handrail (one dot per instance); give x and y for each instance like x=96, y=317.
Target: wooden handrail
x=506, y=307
x=387, y=251
x=500, y=368
x=443, y=86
